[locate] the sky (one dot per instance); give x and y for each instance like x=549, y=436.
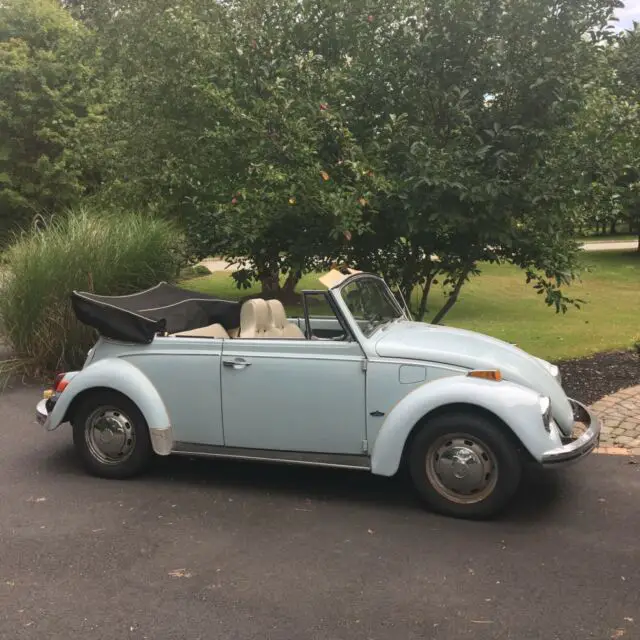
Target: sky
x=629, y=13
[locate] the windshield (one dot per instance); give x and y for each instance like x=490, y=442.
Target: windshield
x=370, y=303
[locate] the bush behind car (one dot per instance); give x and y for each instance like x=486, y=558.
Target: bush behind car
x=111, y=253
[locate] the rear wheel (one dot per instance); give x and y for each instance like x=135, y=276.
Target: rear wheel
x=111, y=436
x=464, y=465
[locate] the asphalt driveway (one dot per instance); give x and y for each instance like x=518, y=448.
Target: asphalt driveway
x=202, y=549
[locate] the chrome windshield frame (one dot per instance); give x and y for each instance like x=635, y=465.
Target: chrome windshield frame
x=336, y=291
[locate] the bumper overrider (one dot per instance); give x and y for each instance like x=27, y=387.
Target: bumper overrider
x=44, y=408
x=41, y=412
x=576, y=448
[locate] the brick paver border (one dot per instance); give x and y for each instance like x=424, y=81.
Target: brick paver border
x=620, y=415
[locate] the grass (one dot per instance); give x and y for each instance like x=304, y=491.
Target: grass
x=86, y=250
x=500, y=304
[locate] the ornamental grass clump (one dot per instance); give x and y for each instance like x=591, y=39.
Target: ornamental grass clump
x=110, y=254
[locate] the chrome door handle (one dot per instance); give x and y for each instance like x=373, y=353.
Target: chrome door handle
x=238, y=363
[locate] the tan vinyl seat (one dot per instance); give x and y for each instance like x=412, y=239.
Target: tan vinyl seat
x=279, y=326
x=254, y=319
x=210, y=331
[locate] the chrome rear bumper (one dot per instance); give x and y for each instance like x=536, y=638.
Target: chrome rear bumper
x=580, y=446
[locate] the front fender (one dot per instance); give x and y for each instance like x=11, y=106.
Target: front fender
x=517, y=406
x=119, y=375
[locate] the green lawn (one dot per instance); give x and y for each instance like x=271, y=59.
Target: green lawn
x=500, y=304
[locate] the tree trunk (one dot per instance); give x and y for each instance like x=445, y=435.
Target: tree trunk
x=406, y=287
x=406, y=290
x=426, y=288
x=408, y=282
x=287, y=293
x=270, y=281
x=612, y=227
x=453, y=298
x=422, y=308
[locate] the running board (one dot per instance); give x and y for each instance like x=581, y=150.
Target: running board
x=335, y=460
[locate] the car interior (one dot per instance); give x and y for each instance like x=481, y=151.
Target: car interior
x=259, y=318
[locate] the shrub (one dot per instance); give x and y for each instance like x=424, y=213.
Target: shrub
x=111, y=254
x=196, y=271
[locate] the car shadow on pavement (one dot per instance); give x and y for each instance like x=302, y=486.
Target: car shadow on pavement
x=540, y=491
x=539, y=495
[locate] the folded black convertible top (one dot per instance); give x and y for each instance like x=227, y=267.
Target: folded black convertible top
x=163, y=308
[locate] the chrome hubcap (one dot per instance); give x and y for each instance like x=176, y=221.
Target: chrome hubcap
x=109, y=435
x=461, y=468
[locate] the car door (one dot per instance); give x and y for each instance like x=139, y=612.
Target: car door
x=186, y=373
x=294, y=395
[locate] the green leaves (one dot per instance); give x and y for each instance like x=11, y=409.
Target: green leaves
x=608, y=135
x=476, y=169
x=286, y=134
x=45, y=97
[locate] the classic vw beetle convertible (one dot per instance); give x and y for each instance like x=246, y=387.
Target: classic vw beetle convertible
x=353, y=383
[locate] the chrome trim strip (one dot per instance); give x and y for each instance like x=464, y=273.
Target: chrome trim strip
x=581, y=446
x=334, y=460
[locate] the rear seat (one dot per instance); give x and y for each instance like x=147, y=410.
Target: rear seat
x=259, y=318
x=210, y=331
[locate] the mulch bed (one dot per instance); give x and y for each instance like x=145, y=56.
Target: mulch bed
x=591, y=378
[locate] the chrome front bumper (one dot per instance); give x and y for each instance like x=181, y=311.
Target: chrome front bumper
x=578, y=447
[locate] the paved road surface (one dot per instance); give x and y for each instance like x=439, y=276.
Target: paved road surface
x=216, y=550
x=611, y=246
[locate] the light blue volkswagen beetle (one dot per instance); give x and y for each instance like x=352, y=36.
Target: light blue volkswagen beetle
x=354, y=383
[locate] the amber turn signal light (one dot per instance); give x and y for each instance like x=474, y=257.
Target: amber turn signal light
x=489, y=374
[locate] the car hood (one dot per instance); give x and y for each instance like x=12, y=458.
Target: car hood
x=471, y=350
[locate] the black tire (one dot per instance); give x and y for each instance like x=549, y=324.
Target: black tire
x=129, y=422
x=494, y=458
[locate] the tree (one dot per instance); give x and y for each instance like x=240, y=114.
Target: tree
x=228, y=123
x=464, y=102
x=45, y=96
x=626, y=63
x=300, y=184
x=439, y=127
x=607, y=137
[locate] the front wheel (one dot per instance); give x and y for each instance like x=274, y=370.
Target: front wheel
x=464, y=465
x=111, y=436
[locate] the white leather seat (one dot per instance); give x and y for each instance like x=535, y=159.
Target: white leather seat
x=254, y=319
x=210, y=331
x=279, y=326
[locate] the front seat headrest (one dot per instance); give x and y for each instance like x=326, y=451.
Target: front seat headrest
x=254, y=318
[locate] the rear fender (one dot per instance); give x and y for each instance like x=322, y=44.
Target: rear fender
x=121, y=376
x=516, y=406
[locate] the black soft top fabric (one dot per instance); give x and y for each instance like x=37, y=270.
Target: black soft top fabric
x=163, y=308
